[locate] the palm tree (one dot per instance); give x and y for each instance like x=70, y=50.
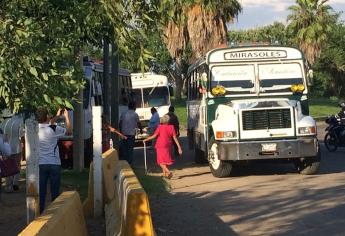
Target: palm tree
x=310, y=23
x=199, y=25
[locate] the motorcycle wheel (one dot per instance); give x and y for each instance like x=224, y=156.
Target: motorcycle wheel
x=331, y=142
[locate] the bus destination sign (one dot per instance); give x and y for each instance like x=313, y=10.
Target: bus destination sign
x=257, y=54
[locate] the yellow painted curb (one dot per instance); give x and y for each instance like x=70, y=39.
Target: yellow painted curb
x=109, y=162
x=63, y=217
x=129, y=213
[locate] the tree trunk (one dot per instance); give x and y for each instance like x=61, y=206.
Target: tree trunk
x=176, y=74
x=178, y=91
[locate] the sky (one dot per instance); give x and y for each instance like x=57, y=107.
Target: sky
x=258, y=13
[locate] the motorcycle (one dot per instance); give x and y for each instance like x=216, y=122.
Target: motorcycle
x=335, y=136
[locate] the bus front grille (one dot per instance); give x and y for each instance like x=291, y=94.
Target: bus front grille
x=266, y=119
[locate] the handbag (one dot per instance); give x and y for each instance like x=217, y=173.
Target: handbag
x=8, y=166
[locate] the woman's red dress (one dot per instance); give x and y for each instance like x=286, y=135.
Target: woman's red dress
x=165, y=134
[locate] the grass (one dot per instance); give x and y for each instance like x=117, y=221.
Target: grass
x=180, y=111
x=73, y=180
x=320, y=107
x=152, y=184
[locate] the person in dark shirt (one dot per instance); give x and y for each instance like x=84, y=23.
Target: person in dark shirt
x=174, y=120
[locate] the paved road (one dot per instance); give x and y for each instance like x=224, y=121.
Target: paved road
x=261, y=199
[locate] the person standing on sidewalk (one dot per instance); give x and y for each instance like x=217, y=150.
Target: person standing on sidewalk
x=13, y=127
x=5, y=151
x=173, y=120
x=154, y=121
x=49, y=159
x=107, y=129
x=129, y=122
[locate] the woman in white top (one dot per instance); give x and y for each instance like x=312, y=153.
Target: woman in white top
x=49, y=159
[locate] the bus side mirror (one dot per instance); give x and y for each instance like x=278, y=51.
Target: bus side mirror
x=171, y=91
x=310, y=77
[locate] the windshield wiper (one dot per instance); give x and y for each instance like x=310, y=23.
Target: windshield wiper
x=153, y=89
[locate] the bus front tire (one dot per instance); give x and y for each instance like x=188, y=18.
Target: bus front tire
x=219, y=168
x=309, y=165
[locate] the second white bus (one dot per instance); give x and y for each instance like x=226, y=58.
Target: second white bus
x=150, y=90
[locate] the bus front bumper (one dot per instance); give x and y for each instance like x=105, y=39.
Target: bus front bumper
x=268, y=149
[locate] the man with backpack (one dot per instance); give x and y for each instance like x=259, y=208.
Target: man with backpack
x=49, y=158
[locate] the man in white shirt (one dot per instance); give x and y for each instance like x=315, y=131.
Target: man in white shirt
x=13, y=127
x=49, y=158
x=129, y=121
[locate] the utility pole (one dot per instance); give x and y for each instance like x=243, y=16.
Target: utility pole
x=97, y=160
x=106, y=78
x=114, y=95
x=78, y=130
x=32, y=175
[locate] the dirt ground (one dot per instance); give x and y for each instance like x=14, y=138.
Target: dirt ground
x=13, y=211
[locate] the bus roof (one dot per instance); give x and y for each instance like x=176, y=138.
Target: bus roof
x=99, y=68
x=248, y=53
x=253, y=53
x=148, y=79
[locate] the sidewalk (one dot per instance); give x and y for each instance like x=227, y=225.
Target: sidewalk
x=13, y=211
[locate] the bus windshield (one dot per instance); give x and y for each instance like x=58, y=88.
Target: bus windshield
x=272, y=77
x=137, y=97
x=237, y=79
x=279, y=77
x=153, y=97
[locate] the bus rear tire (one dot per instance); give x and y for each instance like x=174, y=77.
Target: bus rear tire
x=219, y=168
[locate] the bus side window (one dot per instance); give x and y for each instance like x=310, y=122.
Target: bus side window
x=123, y=100
x=87, y=94
x=195, y=85
x=171, y=91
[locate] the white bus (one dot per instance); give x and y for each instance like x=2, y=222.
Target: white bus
x=150, y=90
x=251, y=103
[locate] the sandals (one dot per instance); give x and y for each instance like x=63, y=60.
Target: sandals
x=168, y=176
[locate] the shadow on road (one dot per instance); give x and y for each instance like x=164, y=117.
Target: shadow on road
x=330, y=163
x=252, y=210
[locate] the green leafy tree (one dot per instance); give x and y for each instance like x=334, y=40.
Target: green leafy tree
x=330, y=67
x=273, y=33
x=310, y=22
x=41, y=41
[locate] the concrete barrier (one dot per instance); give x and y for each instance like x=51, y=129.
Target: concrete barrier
x=88, y=202
x=64, y=217
x=110, y=160
x=129, y=212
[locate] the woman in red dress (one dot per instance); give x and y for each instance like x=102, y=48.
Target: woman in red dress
x=165, y=133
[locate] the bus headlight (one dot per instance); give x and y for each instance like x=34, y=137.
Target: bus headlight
x=307, y=130
x=226, y=134
x=297, y=88
x=218, y=90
